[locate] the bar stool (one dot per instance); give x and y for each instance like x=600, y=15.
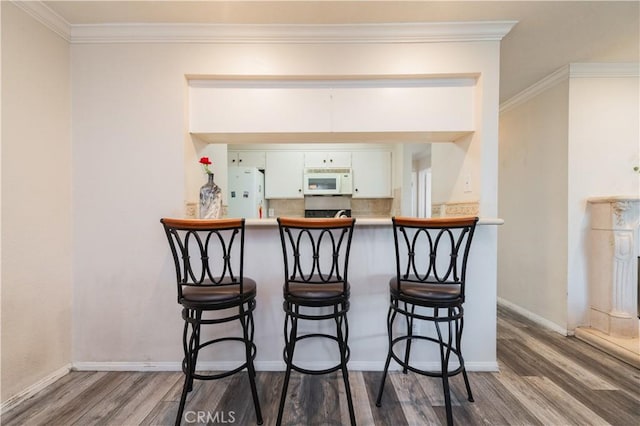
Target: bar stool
x=316, y=260
x=431, y=264
x=209, y=258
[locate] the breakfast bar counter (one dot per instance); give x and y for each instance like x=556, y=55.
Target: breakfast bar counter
x=363, y=221
x=371, y=264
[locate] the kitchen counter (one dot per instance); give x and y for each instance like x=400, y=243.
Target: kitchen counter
x=364, y=221
x=371, y=264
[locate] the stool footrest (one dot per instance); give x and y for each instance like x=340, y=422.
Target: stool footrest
x=424, y=372
x=316, y=372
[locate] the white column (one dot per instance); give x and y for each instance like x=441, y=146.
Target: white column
x=613, y=265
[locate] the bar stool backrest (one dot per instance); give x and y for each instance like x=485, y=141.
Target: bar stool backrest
x=206, y=252
x=316, y=250
x=433, y=250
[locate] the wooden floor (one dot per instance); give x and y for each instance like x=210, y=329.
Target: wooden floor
x=544, y=379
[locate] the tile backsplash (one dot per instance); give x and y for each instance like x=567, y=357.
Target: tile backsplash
x=360, y=207
x=371, y=207
x=286, y=207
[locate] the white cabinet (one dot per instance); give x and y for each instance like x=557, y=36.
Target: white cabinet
x=284, y=169
x=284, y=174
x=371, y=174
x=320, y=159
x=247, y=159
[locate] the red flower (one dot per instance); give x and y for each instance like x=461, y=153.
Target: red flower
x=205, y=165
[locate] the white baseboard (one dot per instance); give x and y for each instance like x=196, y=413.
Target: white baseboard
x=34, y=388
x=543, y=322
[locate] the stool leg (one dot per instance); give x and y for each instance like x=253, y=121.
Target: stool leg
x=460, y=358
x=251, y=328
x=189, y=345
x=343, y=344
x=407, y=350
x=445, y=352
x=196, y=348
x=246, y=318
x=390, y=317
x=290, y=343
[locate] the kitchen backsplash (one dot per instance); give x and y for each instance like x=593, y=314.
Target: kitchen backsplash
x=455, y=209
x=360, y=207
x=371, y=207
x=286, y=207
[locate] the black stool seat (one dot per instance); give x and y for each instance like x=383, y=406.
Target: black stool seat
x=203, y=295
x=317, y=293
x=209, y=260
x=431, y=263
x=424, y=292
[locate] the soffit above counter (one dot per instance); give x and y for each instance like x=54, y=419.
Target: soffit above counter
x=299, y=110
x=333, y=137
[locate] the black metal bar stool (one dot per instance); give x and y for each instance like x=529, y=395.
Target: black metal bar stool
x=316, y=260
x=431, y=264
x=209, y=258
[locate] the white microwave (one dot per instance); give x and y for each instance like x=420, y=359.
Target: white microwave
x=336, y=181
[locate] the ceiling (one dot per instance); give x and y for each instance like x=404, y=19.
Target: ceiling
x=549, y=34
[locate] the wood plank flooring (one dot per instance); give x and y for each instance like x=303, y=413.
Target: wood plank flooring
x=544, y=379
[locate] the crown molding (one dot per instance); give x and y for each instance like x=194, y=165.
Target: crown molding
x=575, y=70
x=47, y=17
x=420, y=32
x=535, y=89
x=289, y=33
x=604, y=70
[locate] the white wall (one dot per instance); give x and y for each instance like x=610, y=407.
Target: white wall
x=451, y=163
x=532, y=244
x=604, y=146
x=129, y=139
x=36, y=202
x=576, y=139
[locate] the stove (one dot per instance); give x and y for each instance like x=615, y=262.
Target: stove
x=327, y=206
x=327, y=212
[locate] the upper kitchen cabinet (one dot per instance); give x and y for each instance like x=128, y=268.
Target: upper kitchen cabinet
x=283, y=174
x=247, y=159
x=322, y=159
x=371, y=174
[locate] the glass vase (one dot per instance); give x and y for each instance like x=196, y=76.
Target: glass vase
x=210, y=200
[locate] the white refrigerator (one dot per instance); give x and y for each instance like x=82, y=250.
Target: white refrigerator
x=245, y=197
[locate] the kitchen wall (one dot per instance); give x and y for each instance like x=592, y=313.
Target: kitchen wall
x=36, y=204
x=130, y=144
x=572, y=136
x=451, y=165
